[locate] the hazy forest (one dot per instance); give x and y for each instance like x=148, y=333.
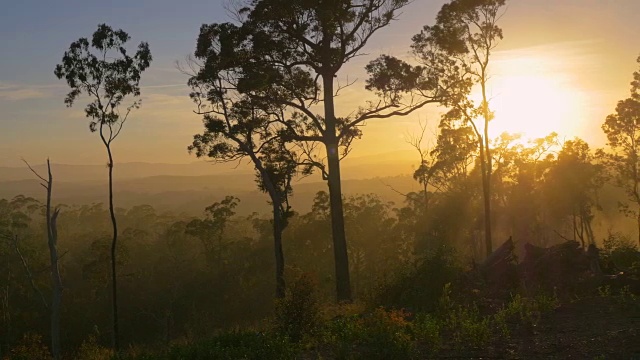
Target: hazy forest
x=279, y=245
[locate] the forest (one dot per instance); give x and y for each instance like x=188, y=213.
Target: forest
x=513, y=247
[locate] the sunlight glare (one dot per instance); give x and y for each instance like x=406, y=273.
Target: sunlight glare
x=530, y=97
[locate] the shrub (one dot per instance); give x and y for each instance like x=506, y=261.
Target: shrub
x=524, y=310
x=381, y=334
x=466, y=326
x=420, y=288
x=298, y=314
x=91, y=350
x=620, y=253
x=30, y=347
x=427, y=330
x=237, y=345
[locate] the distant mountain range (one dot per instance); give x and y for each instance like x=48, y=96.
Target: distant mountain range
x=386, y=164
x=188, y=188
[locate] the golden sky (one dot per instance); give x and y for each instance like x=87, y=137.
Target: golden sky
x=562, y=67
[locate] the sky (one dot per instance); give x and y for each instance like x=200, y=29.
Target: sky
x=562, y=66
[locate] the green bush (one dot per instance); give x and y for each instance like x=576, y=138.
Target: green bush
x=378, y=335
x=524, y=311
x=419, y=288
x=91, y=350
x=466, y=326
x=427, y=331
x=298, y=314
x=237, y=345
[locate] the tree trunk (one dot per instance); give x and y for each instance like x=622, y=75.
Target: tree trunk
x=114, y=242
x=56, y=282
x=278, y=223
x=277, y=244
x=639, y=228
x=343, y=282
x=488, y=167
x=486, y=196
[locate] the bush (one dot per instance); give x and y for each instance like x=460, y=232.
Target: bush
x=91, y=350
x=298, y=314
x=378, y=335
x=620, y=253
x=427, y=331
x=30, y=347
x=524, y=311
x=466, y=326
x=420, y=288
x=237, y=345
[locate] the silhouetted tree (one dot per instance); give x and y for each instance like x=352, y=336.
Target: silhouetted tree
x=519, y=171
x=103, y=71
x=16, y=218
x=571, y=185
x=427, y=169
x=288, y=54
x=466, y=32
x=623, y=135
x=211, y=230
x=454, y=55
x=235, y=129
x=52, y=242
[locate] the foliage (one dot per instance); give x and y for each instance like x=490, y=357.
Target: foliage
x=90, y=67
x=30, y=347
x=91, y=350
x=623, y=138
x=620, y=253
x=571, y=187
x=527, y=310
x=237, y=345
x=453, y=56
x=267, y=88
x=298, y=314
x=211, y=230
x=381, y=334
x=107, y=79
x=282, y=58
x=420, y=287
x=427, y=330
x=467, y=327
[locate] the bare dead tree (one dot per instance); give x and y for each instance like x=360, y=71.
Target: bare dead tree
x=56, y=280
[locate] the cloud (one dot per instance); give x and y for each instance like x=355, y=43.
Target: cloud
x=17, y=94
x=21, y=92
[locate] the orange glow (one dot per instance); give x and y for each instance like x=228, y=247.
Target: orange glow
x=531, y=96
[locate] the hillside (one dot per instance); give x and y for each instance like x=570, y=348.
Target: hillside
x=188, y=188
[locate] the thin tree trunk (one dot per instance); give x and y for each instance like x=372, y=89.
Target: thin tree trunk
x=589, y=229
x=639, y=228
x=487, y=200
x=582, y=229
x=426, y=199
x=6, y=319
x=575, y=227
x=114, y=242
x=343, y=282
x=278, y=223
x=489, y=167
x=56, y=281
x=277, y=244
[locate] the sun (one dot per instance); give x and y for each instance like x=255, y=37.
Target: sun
x=530, y=97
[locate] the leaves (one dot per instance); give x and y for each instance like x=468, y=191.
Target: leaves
x=623, y=137
x=103, y=71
